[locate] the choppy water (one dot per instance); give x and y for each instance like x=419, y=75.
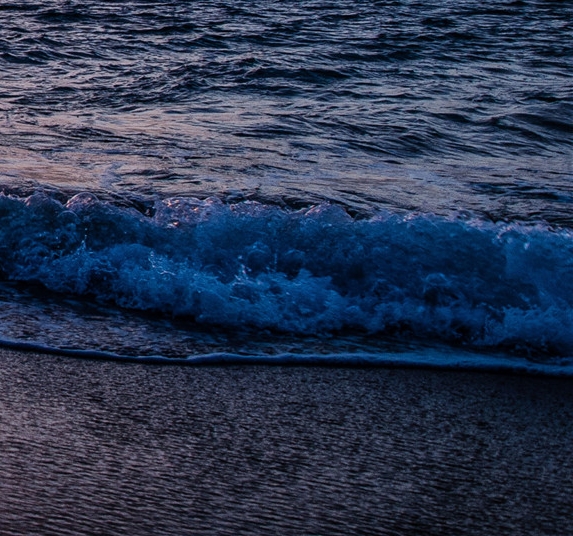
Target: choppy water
x=288, y=178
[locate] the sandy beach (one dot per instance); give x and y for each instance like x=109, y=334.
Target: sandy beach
x=93, y=447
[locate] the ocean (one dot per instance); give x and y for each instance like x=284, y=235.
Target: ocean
x=360, y=182
x=375, y=197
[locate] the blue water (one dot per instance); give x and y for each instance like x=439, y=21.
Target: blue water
x=358, y=182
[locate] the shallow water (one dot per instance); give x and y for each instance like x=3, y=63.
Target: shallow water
x=90, y=447
x=303, y=171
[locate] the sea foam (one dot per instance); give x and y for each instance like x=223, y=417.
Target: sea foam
x=310, y=271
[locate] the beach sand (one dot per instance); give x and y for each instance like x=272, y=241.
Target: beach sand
x=95, y=447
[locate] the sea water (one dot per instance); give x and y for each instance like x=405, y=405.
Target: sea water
x=355, y=182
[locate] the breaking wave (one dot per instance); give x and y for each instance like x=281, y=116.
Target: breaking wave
x=309, y=271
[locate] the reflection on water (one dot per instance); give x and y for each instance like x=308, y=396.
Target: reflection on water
x=402, y=106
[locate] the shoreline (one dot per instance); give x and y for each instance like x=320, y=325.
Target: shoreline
x=442, y=358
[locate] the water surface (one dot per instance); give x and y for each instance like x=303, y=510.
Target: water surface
x=378, y=169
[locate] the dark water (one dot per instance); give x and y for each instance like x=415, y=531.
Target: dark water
x=303, y=178
x=99, y=448
x=357, y=182
x=428, y=106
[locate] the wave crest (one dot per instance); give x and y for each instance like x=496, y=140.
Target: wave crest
x=308, y=271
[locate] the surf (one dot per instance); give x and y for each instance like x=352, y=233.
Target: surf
x=312, y=271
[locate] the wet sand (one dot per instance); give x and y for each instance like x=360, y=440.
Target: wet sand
x=94, y=447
